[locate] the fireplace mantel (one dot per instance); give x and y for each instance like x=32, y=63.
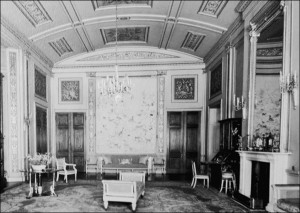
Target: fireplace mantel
x=278, y=165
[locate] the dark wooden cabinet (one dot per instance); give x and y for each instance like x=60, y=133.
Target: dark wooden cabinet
x=228, y=141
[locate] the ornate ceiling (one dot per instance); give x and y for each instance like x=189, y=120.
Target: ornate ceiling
x=62, y=29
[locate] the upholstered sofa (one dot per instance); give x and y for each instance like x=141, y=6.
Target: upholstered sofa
x=286, y=197
x=116, y=163
x=129, y=188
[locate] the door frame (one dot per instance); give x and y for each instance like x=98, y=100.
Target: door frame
x=201, y=146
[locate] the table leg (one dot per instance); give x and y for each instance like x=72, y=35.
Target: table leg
x=52, y=187
x=30, y=187
x=40, y=184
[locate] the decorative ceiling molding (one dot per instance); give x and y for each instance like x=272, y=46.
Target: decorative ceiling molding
x=7, y=30
x=34, y=12
x=127, y=55
x=238, y=23
x=242, y=6
x=212, y=8
x=105, y=4
x=125, y=34
x=192, y=41
x=61, y=46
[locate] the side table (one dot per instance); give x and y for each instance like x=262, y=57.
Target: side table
x=37, y=189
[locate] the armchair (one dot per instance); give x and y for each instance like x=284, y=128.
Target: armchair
x=61, y=165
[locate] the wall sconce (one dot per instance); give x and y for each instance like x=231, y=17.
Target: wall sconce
x=288, y=83
x=240, y=104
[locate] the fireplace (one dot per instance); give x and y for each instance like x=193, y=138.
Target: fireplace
x=274, y=162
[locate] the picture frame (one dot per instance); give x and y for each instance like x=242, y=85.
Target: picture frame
x=215, y=81
x=184, y=88
x=40, y=84
x=70, y=90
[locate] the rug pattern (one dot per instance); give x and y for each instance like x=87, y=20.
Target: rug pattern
x=86, y=196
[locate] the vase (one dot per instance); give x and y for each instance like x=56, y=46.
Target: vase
x=38, y=168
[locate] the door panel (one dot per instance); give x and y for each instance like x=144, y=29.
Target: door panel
x=184, y=137
x=70, y=138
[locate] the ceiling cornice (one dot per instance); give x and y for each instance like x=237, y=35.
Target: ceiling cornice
x=224, y=39
x=242, y=6
x=9, y=30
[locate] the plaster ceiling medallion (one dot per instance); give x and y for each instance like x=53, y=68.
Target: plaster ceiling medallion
x=61, y=46
x=128, y=55
x=126, y=34
x=192, y=41
x=212, y=8
x=110, y=3
x=34, y=12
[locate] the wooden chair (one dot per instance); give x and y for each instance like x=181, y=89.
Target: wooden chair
x=196, y=176
x=61, y=165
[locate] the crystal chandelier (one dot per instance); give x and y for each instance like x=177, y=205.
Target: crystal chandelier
x=114, y=86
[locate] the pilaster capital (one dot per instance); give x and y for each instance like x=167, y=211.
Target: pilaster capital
x=253, y=31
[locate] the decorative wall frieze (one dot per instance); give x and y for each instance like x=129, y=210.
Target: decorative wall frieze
x=275, y=51
x=34, y=12
x=127, y=55
x=212, y=8
x=160, y=117
x=92, y=115
x=13, y=111
x=91, y=74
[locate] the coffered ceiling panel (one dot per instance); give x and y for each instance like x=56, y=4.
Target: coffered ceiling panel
x=62, y=29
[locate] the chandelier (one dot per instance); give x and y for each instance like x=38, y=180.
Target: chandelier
x=114, y=86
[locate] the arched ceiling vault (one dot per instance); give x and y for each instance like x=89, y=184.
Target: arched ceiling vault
x=62, y=30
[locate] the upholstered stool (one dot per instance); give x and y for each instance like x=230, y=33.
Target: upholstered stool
x=228, y=178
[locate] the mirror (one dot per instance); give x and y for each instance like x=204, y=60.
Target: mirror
x=265, y=95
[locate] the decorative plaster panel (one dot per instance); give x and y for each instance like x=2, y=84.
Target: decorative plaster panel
x=127, y=124
x=13, y=137
x=92, y=114
x=212, y=8
x=161, y=101
x=34, y=12
x=61, y=46
x=192, y=41
x=125, y=34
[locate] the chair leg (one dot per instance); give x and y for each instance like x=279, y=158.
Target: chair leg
x=66, y=177
x=75, y=176
x=207, y=183
x=192, y=182
x=222, y=183
x=105, y=205
x=57, y=177
x=226, y=185
x=133, y=206
x=195, y=183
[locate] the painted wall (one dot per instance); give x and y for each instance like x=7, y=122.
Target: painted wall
x=127, y=124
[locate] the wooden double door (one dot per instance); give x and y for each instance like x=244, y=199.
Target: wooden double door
x=70, y=137
x=184, y=140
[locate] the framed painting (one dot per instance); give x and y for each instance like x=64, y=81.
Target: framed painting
x=70, y=90
x=184, y=88
x=215, y=81
x=40, y=84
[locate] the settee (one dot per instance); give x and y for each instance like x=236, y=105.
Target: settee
x=129, y=188
x=115, y=163
x=286, y=197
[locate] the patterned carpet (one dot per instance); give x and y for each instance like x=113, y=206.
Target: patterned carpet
x=86, y=196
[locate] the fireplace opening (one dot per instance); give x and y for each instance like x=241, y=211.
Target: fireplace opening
x=260, y=183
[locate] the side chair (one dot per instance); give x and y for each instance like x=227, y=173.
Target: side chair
x=61, y=165
x=196, y=176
